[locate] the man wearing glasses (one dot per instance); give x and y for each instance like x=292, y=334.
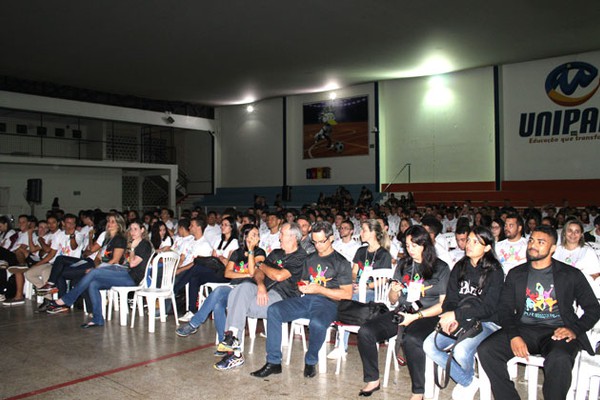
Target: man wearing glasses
x=326, y=279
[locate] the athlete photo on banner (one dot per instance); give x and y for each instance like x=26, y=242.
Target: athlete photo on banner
x=336, y=128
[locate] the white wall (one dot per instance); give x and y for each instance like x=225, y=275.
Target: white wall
x=250, y=145
x=98, y=187
x=443, y=126
x=558, y=155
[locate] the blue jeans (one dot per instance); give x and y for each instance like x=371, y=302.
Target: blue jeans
x=461, y=367
x=96, y=280
x=216, y=302
x=319, y=309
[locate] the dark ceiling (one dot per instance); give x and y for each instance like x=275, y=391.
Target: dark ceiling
x=237, y=51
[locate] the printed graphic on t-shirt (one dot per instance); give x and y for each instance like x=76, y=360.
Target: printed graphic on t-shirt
x=241, y=267
x=540, y=304
x=416, y=280
x=467, y=288
x=511, y=256
x=318, y=275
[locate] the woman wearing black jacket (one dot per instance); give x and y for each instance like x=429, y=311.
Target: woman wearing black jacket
x=478, y=274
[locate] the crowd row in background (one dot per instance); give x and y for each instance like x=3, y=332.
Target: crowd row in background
x=525, y=267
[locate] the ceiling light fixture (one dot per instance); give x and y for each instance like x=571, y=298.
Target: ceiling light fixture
x=332, y=96
x=250, y=108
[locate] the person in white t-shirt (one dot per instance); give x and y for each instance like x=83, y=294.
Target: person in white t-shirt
x=346, y=245
x=213, y=229
x=575, y=252
x=462, y=231
x=269, y=240
x=194, y=269
x=593, y=236
x=434, y=227
x=512, y=251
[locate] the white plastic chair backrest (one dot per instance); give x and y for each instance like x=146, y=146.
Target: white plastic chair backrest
x=144, y=282
x=170, y=262
x=381, y=285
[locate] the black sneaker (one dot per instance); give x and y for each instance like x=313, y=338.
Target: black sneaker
x=44, y=306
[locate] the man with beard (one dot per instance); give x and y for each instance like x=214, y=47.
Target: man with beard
x=537, y=316
x=511, y=251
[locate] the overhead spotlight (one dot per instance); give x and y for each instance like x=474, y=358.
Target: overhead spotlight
x=250, y=108
x=332, y=95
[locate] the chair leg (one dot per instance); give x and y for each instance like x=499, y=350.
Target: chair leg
x=123, y=311
x=431, y=389
x=174, y=304
x=340, y=343
x=290, y=343
x=532, y=377
x=110, y=305
x=284, y=332
x=151, y=301
x=388, y=360
x=323, y=354
x=252, y=322
x=135, y=306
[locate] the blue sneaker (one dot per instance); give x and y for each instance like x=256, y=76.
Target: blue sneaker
x=230, y=361
x=186, y=330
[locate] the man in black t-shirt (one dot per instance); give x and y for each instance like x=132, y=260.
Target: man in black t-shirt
x=537, y=317
x=274, y=280
x=326, y=279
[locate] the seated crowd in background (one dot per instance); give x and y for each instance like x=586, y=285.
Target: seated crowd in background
x=282, y=264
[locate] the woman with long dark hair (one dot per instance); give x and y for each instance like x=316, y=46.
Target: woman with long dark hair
x=477, y=275
x=239, y=268
x=160, y=237
x=229, y=240
x=420, y=276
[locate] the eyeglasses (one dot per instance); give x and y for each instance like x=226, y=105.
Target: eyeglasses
x=320, y=241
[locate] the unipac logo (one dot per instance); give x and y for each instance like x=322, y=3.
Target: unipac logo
x=572, y=84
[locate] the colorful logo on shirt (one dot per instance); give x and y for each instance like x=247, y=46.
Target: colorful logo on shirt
x=242, y=267
x=318, y=276
x=540, y=300
x=511, y=256
x=406, y=280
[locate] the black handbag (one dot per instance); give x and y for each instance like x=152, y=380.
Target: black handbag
x=466, y=329
x=351, y=312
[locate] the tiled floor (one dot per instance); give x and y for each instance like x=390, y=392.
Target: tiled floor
x=50, y=357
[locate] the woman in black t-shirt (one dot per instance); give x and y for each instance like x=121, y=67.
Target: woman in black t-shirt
x=420, y=276
x=110, y=273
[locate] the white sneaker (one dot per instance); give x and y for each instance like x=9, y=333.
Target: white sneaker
x=2, y=297
x=461, y=392
x=187, y=317
x=3, y=264
x=337, y=353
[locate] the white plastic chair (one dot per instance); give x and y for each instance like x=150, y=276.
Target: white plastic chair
x=170, y=261
x=122, y=293
x=299, y=324
x=381, y=287
x=252, y=322
x=532, y=367
x=588, y=379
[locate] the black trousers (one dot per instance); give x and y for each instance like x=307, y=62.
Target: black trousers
x=381, y=328
x=559, y=357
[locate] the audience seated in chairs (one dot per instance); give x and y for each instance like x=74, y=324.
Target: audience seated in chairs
x=274, y=280
x=240, y=267
x=326, y=278
x=420, y=276
x=116, y=267
x=537, y=316
x=477, y=275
